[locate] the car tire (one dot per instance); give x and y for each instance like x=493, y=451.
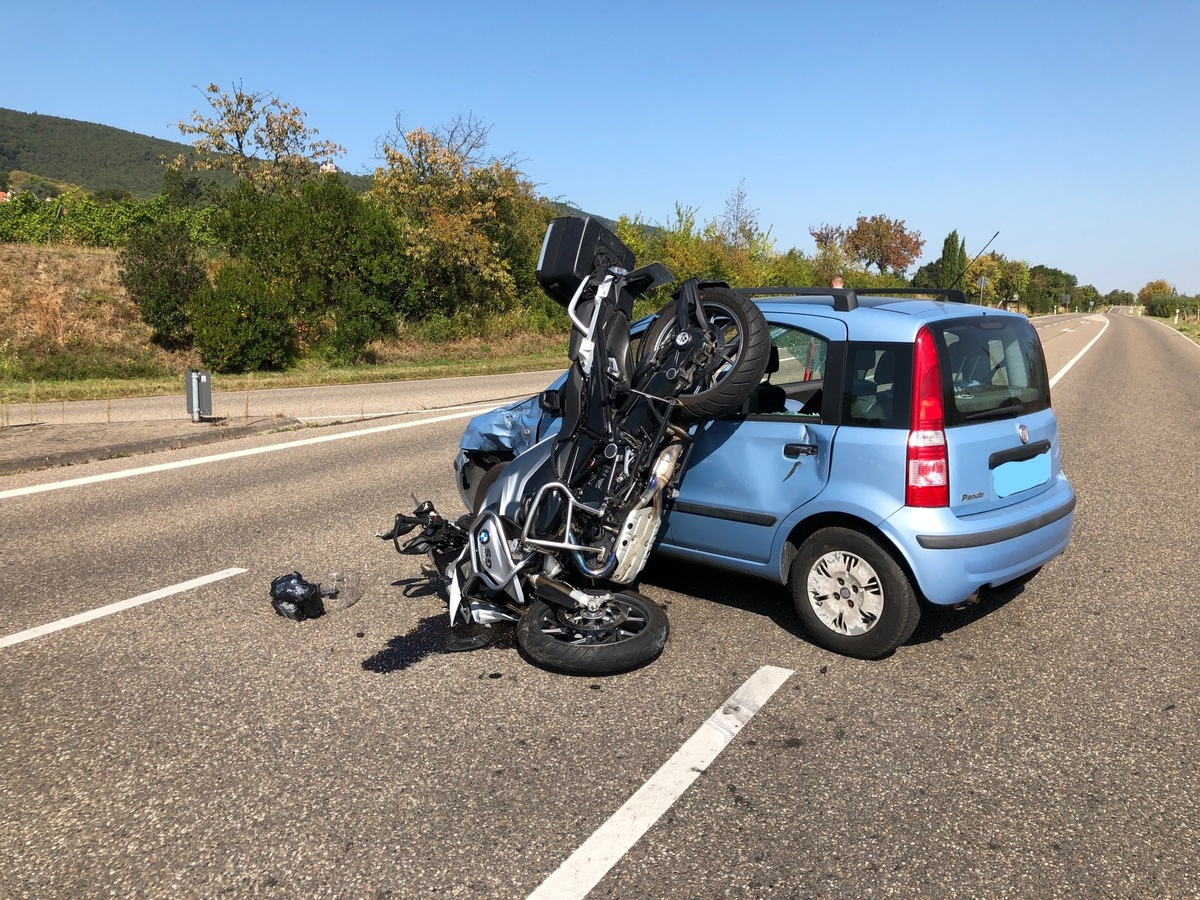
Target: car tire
x=547, y=634
x=742, y=324
x=852, y=595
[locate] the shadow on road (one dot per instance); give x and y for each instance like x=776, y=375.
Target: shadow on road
x=939, y=621
x=402, y=651
x=432, y=635
x=774, y=601
x=752, y=595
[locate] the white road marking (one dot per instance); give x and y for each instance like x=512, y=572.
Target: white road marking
x=1078, y=356
x=585, y=867
x=1176, y=331
x=233, y=454
x=366, y=417
x=31, y=633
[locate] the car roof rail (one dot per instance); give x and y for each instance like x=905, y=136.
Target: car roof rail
x=846, y=299
x=953, y=295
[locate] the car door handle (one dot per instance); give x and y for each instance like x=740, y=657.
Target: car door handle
x=795, y=451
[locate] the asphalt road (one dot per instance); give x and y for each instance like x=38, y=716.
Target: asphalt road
x=1039, y=745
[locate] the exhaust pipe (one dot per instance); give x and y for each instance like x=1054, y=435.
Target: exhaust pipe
x=660, y=474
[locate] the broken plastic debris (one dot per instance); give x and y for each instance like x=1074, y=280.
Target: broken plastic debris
x=342, y=589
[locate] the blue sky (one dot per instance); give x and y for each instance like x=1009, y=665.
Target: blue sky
x=1071, y=128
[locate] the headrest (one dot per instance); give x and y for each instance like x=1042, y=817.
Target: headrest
x=885, y=369
x=773, y=361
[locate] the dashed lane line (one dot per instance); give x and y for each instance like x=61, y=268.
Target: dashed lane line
x=233, y=454
x=31, y=633
x=584, y=868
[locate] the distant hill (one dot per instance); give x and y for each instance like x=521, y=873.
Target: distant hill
x=94, y=157
x=103, y=158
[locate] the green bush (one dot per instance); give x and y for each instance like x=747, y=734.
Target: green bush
x=239, y=326
x=26, y=219
x=160, y=270
x=332, y=254
x=438, y=329
x=76, y=218
x=1163, y=306
x=358, y=319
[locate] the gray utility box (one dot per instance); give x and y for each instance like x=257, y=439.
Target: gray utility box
x=199, y=394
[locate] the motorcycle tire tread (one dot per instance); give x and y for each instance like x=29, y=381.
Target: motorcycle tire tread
x=594, y=659
x=731, y=393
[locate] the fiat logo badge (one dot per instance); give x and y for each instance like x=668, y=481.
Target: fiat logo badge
x=1023, y=434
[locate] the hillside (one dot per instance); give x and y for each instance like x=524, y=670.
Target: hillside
x=68, y=331
x=94, y=157
x=64, y=314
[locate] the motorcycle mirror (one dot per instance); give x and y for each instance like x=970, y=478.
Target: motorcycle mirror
x=647, y=278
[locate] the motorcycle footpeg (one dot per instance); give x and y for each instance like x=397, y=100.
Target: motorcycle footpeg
x=464, y=638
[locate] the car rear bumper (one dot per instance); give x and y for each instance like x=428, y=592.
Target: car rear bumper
x=996, y=535
x=953, y=557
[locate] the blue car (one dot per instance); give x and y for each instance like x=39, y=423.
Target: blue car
x=897, y=449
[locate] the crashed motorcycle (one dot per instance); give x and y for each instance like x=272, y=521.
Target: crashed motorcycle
x=556, y=536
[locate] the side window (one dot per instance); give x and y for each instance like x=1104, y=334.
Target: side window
x=802, y=355
x=793, y=383
x=877, y=393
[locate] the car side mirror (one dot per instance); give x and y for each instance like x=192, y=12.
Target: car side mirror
x=551, y=402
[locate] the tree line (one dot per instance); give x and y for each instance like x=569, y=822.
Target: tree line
x=291, y=261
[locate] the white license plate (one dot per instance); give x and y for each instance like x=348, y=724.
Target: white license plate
x=1013, y=477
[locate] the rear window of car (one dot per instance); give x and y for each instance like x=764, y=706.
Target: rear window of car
x=992, y=368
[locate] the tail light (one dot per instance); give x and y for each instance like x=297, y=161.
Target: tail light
x=927, y=467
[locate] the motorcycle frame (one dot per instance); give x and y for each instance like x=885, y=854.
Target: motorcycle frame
x=596, y=390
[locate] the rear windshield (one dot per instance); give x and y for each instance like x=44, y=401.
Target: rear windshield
x=992, y=368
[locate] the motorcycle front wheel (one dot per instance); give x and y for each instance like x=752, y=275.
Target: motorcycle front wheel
x=627, y=632
x=743, y=345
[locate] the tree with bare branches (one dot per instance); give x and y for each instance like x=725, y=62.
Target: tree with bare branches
x=258, y=137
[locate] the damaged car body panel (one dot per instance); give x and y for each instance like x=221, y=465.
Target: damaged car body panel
x=496, y=437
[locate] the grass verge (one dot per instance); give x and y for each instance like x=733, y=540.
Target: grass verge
x=409, y=362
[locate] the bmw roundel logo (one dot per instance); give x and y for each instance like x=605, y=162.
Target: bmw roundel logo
x=1023, y=434
x=485, y=536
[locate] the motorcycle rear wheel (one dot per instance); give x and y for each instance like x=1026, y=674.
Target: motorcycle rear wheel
x=744, y=348
x=627, y=633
